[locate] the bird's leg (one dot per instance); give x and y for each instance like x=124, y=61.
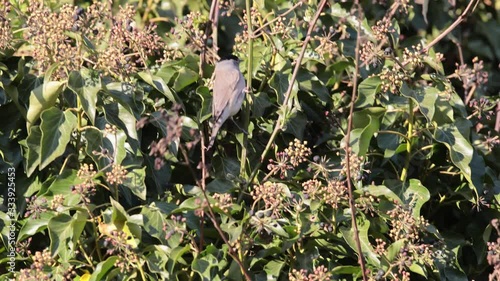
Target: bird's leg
x=243, y=130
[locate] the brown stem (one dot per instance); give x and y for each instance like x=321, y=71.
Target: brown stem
x=470, y=94
x=298, y=61
x=497, y=122
x=147, y=10
x=461, y=18
x=210, y=29
x=361, y=259
x=214, y=20
x=460, y=53
x=211, y=213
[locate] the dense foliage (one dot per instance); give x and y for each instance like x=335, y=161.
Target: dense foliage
x=367, y=147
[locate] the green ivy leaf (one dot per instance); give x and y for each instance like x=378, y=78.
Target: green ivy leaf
x=382, y=190
x=207, y=267
x=192, y=203
x=13, y=93
x=5, y=221
x=367, y=90
x=310, y=83
x=261, y=103
x=119, y=115
x=449, y=267
x=295, y=123
x=432, y=61
x=10, y=148
x=32, y=145
x=159, y=84
x=456, y=102
x=346, y=269
x=134, y=180
x=157, y=178
x=185, y=77
x=273, y=268
x=418, y=194
x=56, y=128
x=221, y=186
x=42, y=98
x=118, y=215
x=206, y=103
x=417, y=268
x=87, y=88
x=366, y=247
x=32, y=226
x=157, y=260
x=154, y=221
x=461, y=151
x=176, y=256
x=389, y=143
x=103, y=268
x=338, y=12
x=64, y=232
x=95, y=144
x=125, y=95
x=394, y=249
x=62, y=185
x=424, y=97
x=365, y=123
x=233, y=229
x=279, y=83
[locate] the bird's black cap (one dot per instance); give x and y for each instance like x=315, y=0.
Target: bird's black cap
x=230, y=57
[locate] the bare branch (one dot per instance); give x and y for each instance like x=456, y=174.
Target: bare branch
x=361, y=259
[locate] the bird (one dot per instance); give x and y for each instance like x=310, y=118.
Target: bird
x=228, y=93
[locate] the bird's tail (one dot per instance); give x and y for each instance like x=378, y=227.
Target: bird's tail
x=215, y=130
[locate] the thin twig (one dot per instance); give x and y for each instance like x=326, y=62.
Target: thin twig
x=147, y=10
x=212, y=30
x=497, y=121
x=348, y=148
x=214, y=20
x=275, y=19
x=279, y=124
x=460, y=18
x=298, y=61
x=470, y=94
x=246, y=107
x=424, y=50
x=211, y=214
x=460, y=53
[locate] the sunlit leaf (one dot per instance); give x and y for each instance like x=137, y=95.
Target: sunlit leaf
x=42, y=98
x=461, y=151
x=160, y=85
x=103, y=268
x=64, y=232
x=366, y=92
x=365, y=123
x=417, y=195
x=185, y=78
x=366, y=247
x=425, y=99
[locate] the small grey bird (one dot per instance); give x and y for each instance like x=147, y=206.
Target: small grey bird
x=229, y=93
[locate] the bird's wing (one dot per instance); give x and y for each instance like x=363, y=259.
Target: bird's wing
x=224, y=92
x=238, y=95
